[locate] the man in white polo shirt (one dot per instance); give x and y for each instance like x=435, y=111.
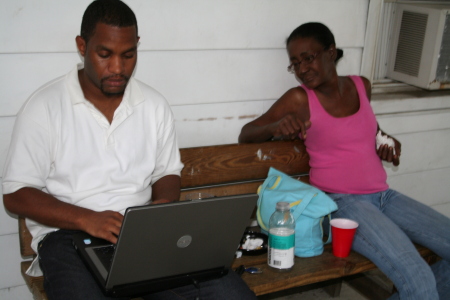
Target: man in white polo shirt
x=88, y=145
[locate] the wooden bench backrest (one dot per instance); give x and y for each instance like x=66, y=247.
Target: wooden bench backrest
x=225, y=170
x=239, y=168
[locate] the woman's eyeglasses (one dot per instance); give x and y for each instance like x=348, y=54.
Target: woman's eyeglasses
x=293, y=67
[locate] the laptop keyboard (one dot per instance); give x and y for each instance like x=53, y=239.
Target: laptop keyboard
x=105, y=254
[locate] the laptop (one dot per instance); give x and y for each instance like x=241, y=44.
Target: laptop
x=168, y=245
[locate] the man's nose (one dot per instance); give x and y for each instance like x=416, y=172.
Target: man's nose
x=116, y=65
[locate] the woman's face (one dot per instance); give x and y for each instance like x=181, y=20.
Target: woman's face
x=312, y=64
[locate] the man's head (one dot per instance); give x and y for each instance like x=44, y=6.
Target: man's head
x=109, y=12
x=108, y=43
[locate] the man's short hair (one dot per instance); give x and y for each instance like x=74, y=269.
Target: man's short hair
x=109, y=12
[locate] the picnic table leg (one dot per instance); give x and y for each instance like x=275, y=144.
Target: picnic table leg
x=334, y=287
x=374, y=285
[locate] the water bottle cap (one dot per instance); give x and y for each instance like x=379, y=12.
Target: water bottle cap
x=283, y=205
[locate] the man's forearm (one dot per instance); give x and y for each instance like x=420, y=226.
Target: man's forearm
x=47, y=210
x=41, y=207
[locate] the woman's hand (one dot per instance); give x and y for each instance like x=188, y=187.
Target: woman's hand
x=387, y=153
x=289, y=127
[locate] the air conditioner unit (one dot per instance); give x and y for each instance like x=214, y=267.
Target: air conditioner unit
x=420, y=46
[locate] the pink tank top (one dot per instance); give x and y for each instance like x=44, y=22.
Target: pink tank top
x=342, y=151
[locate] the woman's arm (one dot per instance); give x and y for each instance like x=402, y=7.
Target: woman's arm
x=287, y=117
x=385, y=152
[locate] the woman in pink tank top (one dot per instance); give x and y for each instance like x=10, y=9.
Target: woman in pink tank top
x=332, y=114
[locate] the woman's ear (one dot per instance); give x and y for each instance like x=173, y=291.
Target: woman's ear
x=332, y=51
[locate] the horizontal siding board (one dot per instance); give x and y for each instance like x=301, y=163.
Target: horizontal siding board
x=415, y=122
x=443, y=208
x=234, y=24
x=429, y=187
x=422, y=151
x=175, y=25
x=16, y=293
x=197, y=77
x=8, y=221
x=391, y=103
x=10, y=261
x=6, y=128
x=183, y=77
x=40, y=26
x=28, y=72
x=214, y=124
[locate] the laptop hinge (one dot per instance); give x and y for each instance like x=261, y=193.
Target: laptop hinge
x=156, y=285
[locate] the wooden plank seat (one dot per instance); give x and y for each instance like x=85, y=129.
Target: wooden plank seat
x=306, y=271
x=239, y=169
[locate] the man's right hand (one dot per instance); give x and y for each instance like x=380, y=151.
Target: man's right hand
x=289, y=127
x=105, y=224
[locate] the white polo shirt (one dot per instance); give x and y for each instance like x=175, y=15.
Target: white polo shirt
x=64, y=146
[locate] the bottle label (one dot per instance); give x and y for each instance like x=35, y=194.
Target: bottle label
x=281, y=251
x=281, y=242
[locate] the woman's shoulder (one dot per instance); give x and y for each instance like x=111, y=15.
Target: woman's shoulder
x=353, y=77
x=295, y=94
x=365, y=82
x=291, y=101
x=367, y=86
x=294, y=100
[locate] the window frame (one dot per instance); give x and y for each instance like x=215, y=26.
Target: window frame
x=376, y=44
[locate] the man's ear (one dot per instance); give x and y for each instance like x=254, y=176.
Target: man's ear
x=81, y=45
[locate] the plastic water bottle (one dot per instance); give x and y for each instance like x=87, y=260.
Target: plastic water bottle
x=281, y=238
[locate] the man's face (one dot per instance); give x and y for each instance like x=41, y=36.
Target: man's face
x=109, y=58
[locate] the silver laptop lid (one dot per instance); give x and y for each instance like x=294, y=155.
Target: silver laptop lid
x=176, y=238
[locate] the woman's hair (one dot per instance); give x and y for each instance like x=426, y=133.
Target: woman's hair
x=109, y=12
x=319, y=32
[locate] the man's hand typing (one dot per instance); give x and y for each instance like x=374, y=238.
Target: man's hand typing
x=105, y=224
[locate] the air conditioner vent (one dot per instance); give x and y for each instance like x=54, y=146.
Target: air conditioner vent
x=410, y=43
x=419, y=52
x=443, y=67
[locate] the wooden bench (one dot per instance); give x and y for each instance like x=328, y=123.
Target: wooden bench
x=239, y=169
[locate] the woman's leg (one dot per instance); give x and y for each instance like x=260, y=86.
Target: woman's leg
x=425, y=226
x=385, y=244
x=441, y=271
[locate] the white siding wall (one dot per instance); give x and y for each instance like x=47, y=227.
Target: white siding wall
x=219, y=64
x=421, y=122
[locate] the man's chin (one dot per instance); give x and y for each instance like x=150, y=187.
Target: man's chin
x=112, y=93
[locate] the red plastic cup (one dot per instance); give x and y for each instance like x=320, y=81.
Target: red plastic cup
x=342, y=232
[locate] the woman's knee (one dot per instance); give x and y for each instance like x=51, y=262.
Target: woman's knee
x=418, y=284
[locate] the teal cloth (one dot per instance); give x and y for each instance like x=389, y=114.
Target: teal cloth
x=309, y=206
